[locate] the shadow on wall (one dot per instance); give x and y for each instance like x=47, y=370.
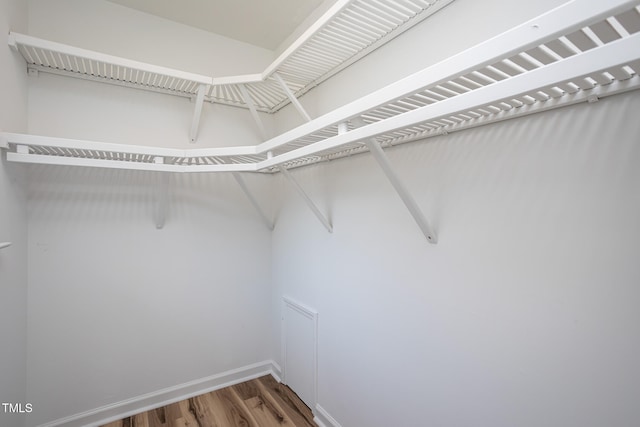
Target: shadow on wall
x=478, y=163
x=78, y=193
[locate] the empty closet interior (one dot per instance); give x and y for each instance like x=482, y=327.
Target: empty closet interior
x=413, y=212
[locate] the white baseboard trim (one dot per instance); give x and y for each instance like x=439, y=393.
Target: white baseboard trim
x=276, y=371
x=145, y=402
x=323, y=419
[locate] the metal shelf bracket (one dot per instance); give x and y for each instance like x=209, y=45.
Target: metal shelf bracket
x=197, y=113
x=253, y=110
x=292, y=97
x=378, y=154
x=162, y=196
x=306, y=198
x=241, y=182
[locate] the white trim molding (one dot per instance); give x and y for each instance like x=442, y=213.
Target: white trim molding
x=166, y=396
x=312, y=315
x=323, y=419
x=276, y=371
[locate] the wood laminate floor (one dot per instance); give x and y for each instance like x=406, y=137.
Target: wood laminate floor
x=262, y=402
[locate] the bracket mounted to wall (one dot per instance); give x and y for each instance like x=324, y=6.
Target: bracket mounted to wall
x=306, y=198
x=376, y=150
x=253, y=110
x=197, y=113
x=240, y=180
x=162, y=196
x=292, y=97
x=378, y=154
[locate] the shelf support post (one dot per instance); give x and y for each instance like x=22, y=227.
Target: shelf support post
x=197, y=113
x=254, y=111
x=343, y=127
x=241, y=182
x=306, y=198
x=162, y=196
x=292, y=97
x=378, y=154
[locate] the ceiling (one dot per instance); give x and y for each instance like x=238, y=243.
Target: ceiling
x=264, y=23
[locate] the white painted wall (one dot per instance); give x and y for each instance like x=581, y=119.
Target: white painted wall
x=71, y=108
x=13, y=223
x=519, y=316
x=117, y=308
x=110, y=28
x=525, y=312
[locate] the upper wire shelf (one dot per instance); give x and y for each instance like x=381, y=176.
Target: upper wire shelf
x=349, y=30
x=581, y=51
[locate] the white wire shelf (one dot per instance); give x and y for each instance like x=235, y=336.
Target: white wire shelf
x=348, y=31
x=579, y=52
x=61, y=151
x=48, y=56
x=345, y=33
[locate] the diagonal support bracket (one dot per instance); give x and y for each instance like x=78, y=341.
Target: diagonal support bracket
x=407, y=198
x=162, y=197
x=292, y=97
x=254, y=112
x=240, y=180
x=306, y=198
x=197, y=113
